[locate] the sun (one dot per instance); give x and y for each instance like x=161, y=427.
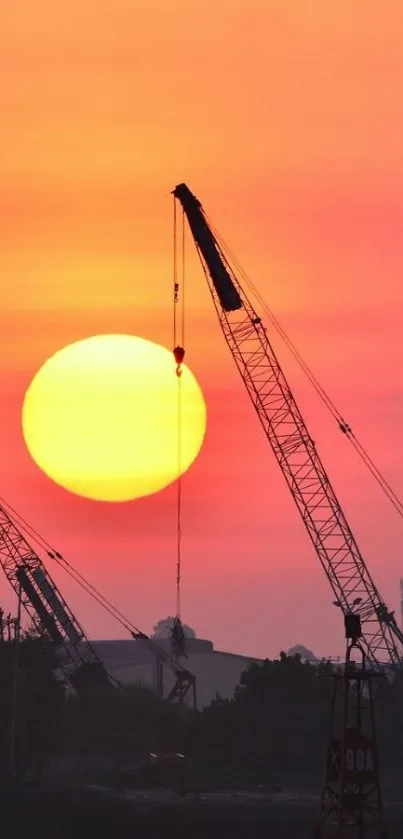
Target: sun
x=100, y=418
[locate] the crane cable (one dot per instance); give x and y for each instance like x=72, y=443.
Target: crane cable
x=344, y=427
x=178, y=639
x=177, y=635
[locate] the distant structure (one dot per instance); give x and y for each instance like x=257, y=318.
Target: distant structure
x=307, y=656
x=216, y=672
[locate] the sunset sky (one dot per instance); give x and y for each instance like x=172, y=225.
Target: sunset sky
x=286, y=119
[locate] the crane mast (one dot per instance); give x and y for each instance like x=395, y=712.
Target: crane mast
x=352, y=585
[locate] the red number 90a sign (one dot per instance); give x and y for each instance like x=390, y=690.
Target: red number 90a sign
x=359, y=758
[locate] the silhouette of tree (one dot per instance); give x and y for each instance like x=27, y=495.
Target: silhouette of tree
x=124, y=724
x=276, y=721
x=38, y=701
x=274, y=727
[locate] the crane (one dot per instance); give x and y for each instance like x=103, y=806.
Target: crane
x=285, y=428
x=52, y=617
x=47, y=609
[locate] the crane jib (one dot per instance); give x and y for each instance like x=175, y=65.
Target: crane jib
x=352, y=585
x=226, y=291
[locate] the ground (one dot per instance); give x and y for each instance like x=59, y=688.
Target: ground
x=236, y=815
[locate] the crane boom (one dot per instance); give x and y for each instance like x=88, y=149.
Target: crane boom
x=50, y=613
x=47, y=608
x=292, y=444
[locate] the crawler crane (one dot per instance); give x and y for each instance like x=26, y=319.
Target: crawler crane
x=52, y=617
x=47, y=609
x=353, y=587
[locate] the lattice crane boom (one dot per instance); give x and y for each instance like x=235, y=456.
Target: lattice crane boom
x=50, y=614
x=351, y=582
x=46, y=607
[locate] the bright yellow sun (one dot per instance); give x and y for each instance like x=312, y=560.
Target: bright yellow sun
x=101, y=418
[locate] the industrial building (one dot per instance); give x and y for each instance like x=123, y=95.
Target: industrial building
x=216, y=672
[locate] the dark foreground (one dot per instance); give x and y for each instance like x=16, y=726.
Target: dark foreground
x=93, y=812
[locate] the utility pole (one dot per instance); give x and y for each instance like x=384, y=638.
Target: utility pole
x=160, y=678
x=351, y=803
x=14, y=696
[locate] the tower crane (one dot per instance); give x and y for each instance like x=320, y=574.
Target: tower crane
x=53, y=618
x=353, y=587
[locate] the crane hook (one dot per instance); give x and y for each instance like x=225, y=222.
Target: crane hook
x=179, y=354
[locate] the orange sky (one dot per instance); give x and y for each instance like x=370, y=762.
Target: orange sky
x=286, y=119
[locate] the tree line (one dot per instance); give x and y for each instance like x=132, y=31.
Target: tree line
x=275, y=725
